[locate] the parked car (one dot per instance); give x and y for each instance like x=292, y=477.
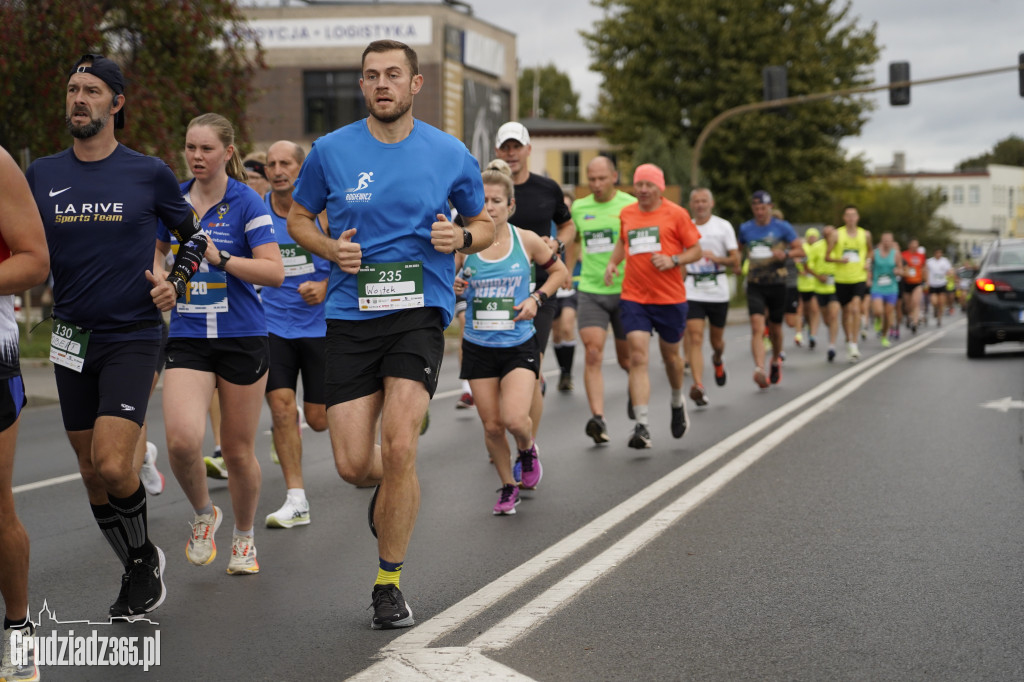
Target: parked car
x=995, y=309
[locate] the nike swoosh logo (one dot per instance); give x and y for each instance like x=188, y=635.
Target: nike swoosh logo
x=60, y=191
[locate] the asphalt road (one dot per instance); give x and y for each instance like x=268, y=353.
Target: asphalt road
x=857, y=522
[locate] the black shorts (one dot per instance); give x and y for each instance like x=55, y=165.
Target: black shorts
x=908, y=287
x=484, y=362
x=115, y=381
x=767, y=299
x=408, y=344
x=288, y=357
x=717, y=312
x=937, y=290
x=825, y=299
x=806, y=296
x=792, y=303
x=560, y=303
x=240, y=360
x=12, y=400
x=846, y=292
x=542, y=323
x=162, y=360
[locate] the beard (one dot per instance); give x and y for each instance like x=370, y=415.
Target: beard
x=401, y=108
x=90, y=129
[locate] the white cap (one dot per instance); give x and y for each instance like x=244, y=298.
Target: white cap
x=512, y=130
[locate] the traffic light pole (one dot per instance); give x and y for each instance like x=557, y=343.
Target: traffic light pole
x=816, y=97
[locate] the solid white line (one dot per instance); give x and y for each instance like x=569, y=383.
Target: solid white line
x=47, y=483
x=454, y=616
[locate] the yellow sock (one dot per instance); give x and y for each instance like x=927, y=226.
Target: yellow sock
x=389, y=573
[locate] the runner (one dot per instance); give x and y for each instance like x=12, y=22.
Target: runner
x=500, y=358
x=100, y=203
x=886, y=266
x=825, y=287
x=849, y=251
x=808, y=313
x=24, y=263
x=938, y=269
x=910, y=286
x=386, y=182
x=218, y=339
x=596, y=217
x=661, y=238
x=296, y=326
x=707, y=291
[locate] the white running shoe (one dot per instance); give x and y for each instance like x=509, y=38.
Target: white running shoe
x=289, y=515
x=151, y=478
x=243, y=556
x=200, y=548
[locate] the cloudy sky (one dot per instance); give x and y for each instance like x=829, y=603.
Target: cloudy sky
x=945, y=123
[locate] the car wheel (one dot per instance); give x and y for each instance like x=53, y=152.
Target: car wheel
x=975, y=346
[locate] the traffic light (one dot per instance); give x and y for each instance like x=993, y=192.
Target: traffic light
x=774, y=79
x=1020, y=72
x=898, y=73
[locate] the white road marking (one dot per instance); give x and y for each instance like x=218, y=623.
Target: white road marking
x=46, y=484
x=1004, y=405
x=511, y=628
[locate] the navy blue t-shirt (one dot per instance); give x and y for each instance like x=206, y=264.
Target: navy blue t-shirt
x=101, y=221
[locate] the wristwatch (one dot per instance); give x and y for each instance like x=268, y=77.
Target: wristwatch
x=675, y=259
x=467, y=239
x=179, y=285
x=224, y=258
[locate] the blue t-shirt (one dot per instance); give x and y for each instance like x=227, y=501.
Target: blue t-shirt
x=218, y=305
x=759, y=239
x=288, y=314
x=391, y=194
x=101, y=222
x=493, y=287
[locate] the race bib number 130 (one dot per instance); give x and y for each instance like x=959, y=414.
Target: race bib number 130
x=68, y=344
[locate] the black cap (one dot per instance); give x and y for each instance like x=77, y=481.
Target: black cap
x=107, y=71
x=257, y=167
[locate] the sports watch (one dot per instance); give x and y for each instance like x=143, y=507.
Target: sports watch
x=224, y=258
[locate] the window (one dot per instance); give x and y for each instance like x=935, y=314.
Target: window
x=570, y=168
x=974, y=194
x=958, y=194
x=332, y=99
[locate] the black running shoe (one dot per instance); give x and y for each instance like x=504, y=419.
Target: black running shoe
x=146, y=589
x=565, y=384
x=641, y=438
x=369, y=511
x=679, y=422
x=119, y=609
x=389, y=609
x=720, y=375
x=597, y=430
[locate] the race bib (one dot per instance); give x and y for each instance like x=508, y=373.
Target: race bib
x=884, y=280
x=911, y=272
x=760, y=250
x=644, y=240
x=390, y=286
x=705, y=280
x=599, y=241
x=494, y=314
x=297, y=260
x=830, y=280
x=207, y=292
x=68, y=344
x=851, y=255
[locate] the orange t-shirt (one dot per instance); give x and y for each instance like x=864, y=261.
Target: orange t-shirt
x=667, y=229
x=913, y=267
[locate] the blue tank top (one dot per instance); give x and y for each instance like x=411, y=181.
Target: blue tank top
x=288, y=314
x=883, y=273
x=494, y=287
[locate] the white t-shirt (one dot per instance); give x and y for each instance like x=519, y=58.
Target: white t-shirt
x=937, y=269
x=707, y=281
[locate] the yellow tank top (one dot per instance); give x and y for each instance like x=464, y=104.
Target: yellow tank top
x=855, y=250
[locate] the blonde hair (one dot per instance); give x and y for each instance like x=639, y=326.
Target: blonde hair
x=499, y=173
x=226, y=134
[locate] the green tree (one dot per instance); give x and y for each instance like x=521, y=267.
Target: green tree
x=673, y=65
x=1008, y=152
x=556, y=98
x=907, y=211
x=180, y=58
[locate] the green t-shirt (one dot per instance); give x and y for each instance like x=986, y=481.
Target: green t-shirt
x=598, y=227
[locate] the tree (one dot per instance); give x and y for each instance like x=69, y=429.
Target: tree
x=901, y=208
x=673, y=65
x=1008, y=152
x=556, y=98
x=180, y=58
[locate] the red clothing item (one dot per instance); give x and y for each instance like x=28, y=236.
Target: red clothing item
x=913, y=267
x=667, y=229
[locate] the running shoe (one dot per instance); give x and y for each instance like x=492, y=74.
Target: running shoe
x=390, y=609
x=775, y=371
x=852, y=352
x=425, y=424
x=698, y=395
x=886, y=342
x=465, y=402
x=760, y=379
x=720, y=375
x=679, y=421
x=812, y=343
x=565, y=384
x=243, y=556
x=152, y=479
x=119, y=609
x=532, y=471
x=507, y=501
x=215, y=467
x=798, y=339
x=291, y=514
x=641, y=438
x=26, y=670
x=831, y=354
x=597, y=430
x=146, y=589
x=371, y=508
x=200, y=548
x=517, y=471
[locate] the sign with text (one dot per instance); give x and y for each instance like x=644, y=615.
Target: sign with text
x=340, y=31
